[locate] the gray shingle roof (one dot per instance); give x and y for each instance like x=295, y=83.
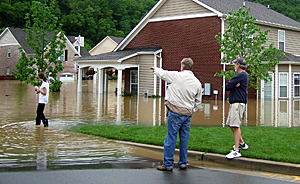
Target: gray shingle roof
x=290, y=57
x=259, y=11
x=116, y=39
x=113, y=56
x=20, y=35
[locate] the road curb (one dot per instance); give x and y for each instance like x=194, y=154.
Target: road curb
x=242, y=162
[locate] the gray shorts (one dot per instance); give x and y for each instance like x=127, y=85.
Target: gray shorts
x=235, y=115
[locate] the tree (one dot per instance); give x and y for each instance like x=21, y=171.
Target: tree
x=47, y=41
x=245, y=39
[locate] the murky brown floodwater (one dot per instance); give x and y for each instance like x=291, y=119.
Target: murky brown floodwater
x=22, y=144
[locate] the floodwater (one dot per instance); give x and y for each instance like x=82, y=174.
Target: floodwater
x=24, y=145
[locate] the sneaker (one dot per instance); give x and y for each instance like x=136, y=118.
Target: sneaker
x=183, y=166
x=163, y=168
x=241, y=146
x=233, y=154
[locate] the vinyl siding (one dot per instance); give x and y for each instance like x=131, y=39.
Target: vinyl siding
x=179, y=7
x=146, y=76
x=107, y=45
x=133, y=60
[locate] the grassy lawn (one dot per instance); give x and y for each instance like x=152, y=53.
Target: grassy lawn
x=269, y=143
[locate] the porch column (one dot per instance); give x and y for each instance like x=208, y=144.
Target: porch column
x=276, y=82
x=290, y=82
x=155, y=77
x=79, y=81
x=105, y=82
x=119, y=92
x=100, y=80
x=95, y=76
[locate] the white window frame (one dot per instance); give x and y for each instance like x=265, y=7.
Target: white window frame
x=8, y=52
x=281, y=39
x=62, y=56
x=281, y=85
x=296, y=85
x=263, y=86
x=137, y=78
x=7, y=71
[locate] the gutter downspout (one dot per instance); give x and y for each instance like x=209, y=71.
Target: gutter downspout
x=224, y=68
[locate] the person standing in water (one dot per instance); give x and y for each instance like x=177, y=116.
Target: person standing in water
x=43, y=92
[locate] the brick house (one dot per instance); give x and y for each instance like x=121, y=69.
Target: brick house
x=175, y=29
x=13, y=38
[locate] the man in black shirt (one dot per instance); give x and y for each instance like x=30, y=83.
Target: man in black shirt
x=238, y=87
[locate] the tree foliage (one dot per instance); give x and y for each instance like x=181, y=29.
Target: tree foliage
x=244, y=39
x=93, y=19
x=45, y=38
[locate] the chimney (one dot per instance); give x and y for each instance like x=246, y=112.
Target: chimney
x=244, y=4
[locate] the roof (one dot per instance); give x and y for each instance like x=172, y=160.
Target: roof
x=290, y=58
x=259, y=11
x=113, y=56
x=220, y=8
x=117, y=39
x=20, y=36
x=83, y=51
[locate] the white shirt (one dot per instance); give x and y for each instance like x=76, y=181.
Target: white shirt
x=184, y=89
x=43, y=99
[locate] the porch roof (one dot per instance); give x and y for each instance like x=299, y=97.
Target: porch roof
x=118, y=55
x=290, y=58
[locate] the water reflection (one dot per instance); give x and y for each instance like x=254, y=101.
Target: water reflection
x=19, y=105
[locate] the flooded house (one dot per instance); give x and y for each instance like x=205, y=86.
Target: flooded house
x=13, y=38
x=174, y=29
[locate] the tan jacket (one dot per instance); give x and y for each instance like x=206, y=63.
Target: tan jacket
x=184, y=89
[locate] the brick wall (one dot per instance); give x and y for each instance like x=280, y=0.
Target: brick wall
x=8, y=62
x=194, y=38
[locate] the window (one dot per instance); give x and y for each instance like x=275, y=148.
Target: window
x=66, y=55
x=297, y=85
x=283, y=85
x=8, y=52
x=134, y=81
x=61, y=57
x=7, y=70
x=281, y=40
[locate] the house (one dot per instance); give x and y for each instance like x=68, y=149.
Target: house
x=13, y=38
x=175, y=29
x=108, y=44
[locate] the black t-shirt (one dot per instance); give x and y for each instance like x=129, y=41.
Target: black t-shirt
x=238, y=94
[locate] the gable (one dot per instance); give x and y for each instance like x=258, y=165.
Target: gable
x=179, y=8
x=106, y=45
x=8, y=39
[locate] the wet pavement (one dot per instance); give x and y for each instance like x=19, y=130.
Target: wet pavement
x=132, y=176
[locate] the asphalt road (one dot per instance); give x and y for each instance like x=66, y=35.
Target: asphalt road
x=132, y=176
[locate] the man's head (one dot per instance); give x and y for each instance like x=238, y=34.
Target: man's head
x=241, y=63
x=187, y=64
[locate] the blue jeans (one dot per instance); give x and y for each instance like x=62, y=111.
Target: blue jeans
x=176, y=123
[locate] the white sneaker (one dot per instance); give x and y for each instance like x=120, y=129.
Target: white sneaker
x=242, y=147
x=233, y=154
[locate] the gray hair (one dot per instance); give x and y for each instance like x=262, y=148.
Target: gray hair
x=187, y=63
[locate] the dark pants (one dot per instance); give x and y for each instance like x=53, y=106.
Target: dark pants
x=40, y=115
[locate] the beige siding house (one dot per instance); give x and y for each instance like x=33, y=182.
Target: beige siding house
x=108, y=44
